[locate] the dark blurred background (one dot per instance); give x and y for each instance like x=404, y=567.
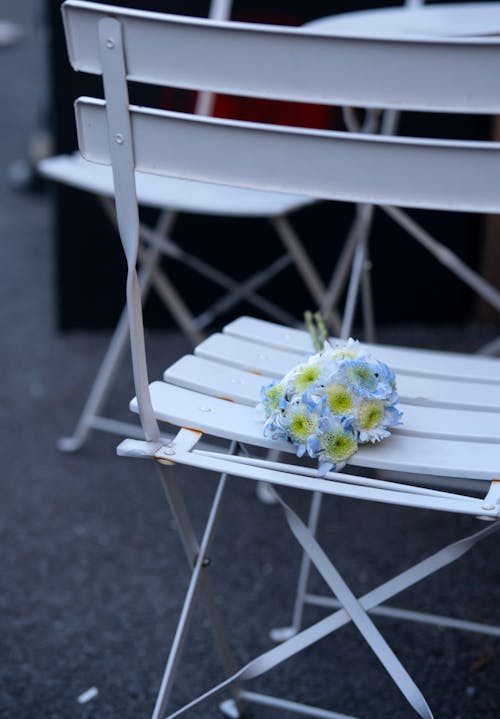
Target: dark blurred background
x=409, y=285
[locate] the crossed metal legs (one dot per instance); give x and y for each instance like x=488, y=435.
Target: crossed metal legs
x=352, y=609
x=156, y=242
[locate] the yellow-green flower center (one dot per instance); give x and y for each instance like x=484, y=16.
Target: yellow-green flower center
x=302, y=426
x=339, y=399
x=307, y=376
x=338, y=446
x=371, y=413
x=274, y=395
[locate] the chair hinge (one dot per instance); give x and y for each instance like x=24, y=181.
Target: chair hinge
x=492, y=498
x=183, y=442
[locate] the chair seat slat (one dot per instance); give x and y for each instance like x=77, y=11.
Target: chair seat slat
x=400, y=453
x=215, y=379
x=244, y=386
x=449, y=365
x=273, y=363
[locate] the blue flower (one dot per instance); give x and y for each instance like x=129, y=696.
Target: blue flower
x=274, y=431
x=325, y=406
x=301, y=423
x=270, y=398
x=370, y=379
x=373, y=418
x=336, y=443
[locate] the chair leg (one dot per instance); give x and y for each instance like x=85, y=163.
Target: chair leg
x=359, y=232
x=492, y=348
x=88, y=418
x=358, y=235
x=302, y=261
x=446, y=257
x=246, y=289
x=358, y=614
x=199, y=583
x=235, y=290
x=357, y=270
x=339, y=276
x=280, y=634
x=367, y=302
x=264, y=490
x=176, y=305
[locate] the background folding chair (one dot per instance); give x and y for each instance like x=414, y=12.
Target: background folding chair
x=172, y=196
x=412, y=19
x=451, y=402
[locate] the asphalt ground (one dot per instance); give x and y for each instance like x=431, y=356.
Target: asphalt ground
x=92, y=573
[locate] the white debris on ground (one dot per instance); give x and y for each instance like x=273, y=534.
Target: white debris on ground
x=88, y=695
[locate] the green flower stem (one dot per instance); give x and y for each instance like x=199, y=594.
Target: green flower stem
x=316, y=327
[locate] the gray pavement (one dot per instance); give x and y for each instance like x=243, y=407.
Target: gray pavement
x=92, y=575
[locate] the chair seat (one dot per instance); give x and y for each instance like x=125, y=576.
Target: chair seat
x=180, y=195
x=448, y=19
x=215, y=391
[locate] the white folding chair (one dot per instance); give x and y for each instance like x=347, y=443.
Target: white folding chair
x=172, y=196
x=451, y=402
x=410, y=20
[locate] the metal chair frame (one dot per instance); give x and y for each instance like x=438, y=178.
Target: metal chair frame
x=436, y=441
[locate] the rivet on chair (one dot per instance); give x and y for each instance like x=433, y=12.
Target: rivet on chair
x=205, y=409
x=205, y=562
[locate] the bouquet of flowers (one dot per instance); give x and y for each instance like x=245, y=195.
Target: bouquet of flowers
x=326, y=406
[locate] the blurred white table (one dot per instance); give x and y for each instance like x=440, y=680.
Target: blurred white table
x=448, y=19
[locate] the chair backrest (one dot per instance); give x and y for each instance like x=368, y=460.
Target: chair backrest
x=426, y=74
x=450, y=75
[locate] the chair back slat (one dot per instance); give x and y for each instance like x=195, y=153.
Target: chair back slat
x=408, y=172
x=293, y=63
